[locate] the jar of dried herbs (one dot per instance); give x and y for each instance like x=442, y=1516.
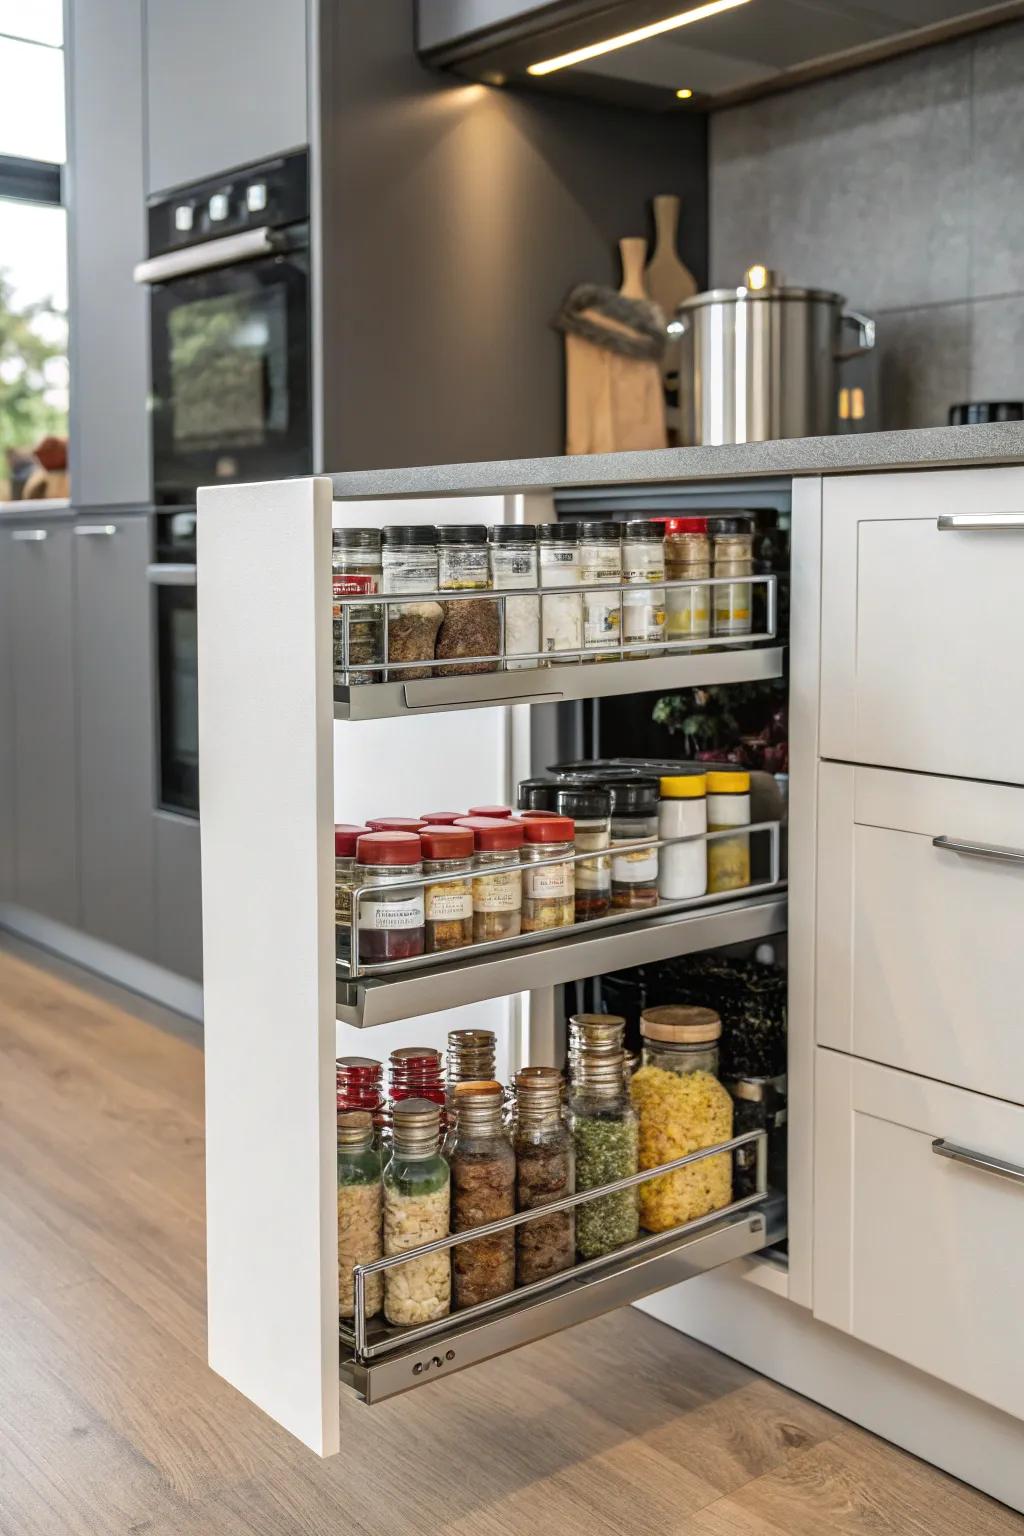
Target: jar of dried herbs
x=483, y=1190
x=417, y=1207
x=471, y=627
x=356, y=569
x=409, y=564
x=448, y=902
x=548, y=889
x=360, y=1205
x=545, y=1171
x=604, y=1131
x=498, y=878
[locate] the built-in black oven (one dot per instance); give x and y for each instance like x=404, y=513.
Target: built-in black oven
x=229, y=287
x=172, y=577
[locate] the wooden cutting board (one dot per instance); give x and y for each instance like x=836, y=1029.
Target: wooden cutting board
x=668, y=281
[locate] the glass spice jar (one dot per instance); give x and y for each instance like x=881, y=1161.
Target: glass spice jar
x=604, y=1131
x=360, y=1209
x=359, y=1082
x=687, y=558
x=589, y=807
x=442, y=818
x=448, y=904
x=513, y=552
x=599, y=1034
x=733, y=550
x=346, y=835
x=601, y=566
x=643, y=562
x=561, y=615
x=483, y=1168
x=416, y=1072
x=470, y=1056
x=470, y=628
x=682, y=1107
x=395, y=824
x=728, y=806
x=417, y=1210
x=390, y=923
x=545, y=1171
x=356, y=569
x=634, y=813
x=548, y=891
x=409, y=564
x=498, y=878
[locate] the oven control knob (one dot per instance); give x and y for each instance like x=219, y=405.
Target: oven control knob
x=256, y=196
x=218, y=207
x=184, y=217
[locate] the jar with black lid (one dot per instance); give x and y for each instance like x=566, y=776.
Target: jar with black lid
x=355, y=569
x=513, y=556
x=469, y=628
x=732, y=541
x=409, y=564
x=561, y=616
x=643, y=562
x=536, y=794
x=590, y=809
x=601, y=566
x=634, y=818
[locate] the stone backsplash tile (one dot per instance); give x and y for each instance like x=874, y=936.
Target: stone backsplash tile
x=924, y=364
x=997, y=179
x=997, y=349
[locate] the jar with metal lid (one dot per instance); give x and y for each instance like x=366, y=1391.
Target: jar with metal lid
x=728, y=806
x=561, y=615
x=448, y=903
x=604, y=1132
x=548, y=889
x=417, y=1208
x=390, y=923
x=683, y=812
x=346, y=835
x=643, y=563
x=759, y=1104
x=483, y=1169
x=355, y=569
x=545, y=1171
x=682, y=1107
x=733, y=551
x=470, y=628
x=687, y=558
x=416, y=1072
x=409, y=564
x=601, y=566
x=599, y=1034
x=498, y=878
x=634, y=819
x=589, y=807
x=513, y=557
x=360, y=1210
x=470, y=1056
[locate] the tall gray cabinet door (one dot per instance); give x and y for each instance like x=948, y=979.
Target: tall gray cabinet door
x=42, y=657
x=115, y=732
x=179, y=896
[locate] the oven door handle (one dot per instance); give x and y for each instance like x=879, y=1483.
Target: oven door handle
x=171, y=575
x=202, y=258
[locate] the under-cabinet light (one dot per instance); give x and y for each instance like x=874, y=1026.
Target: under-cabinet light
x=684, y=95
x=640, y=35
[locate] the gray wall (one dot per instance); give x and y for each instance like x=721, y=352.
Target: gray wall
x=901, y=186
x=456, y=217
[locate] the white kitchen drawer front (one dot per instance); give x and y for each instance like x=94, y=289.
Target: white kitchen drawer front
x=922, y=627
x=919, y=945
x=915, y=1253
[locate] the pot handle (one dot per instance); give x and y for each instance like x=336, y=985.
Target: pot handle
x=865, y=335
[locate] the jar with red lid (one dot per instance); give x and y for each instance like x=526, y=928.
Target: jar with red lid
x=448, y=902
x=345, y=836
x=498, y=879
x=416, y=1072
x=395, y=823
x=549, y=890
x=442, y=818
x=687, y=557
x=492, y=812
x=360, y=1085
x=391, y=923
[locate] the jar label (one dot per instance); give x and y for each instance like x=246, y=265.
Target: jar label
x=499, y=892
x=513, y=567
x=593, y=874
x=449, y=905
x=346, y=584
x=415, y=572
x=552, y=880
x=645, y=564
x=601, y=620
x=391, y=912
x=637, y=868
x=644, y=620
x=463, y=569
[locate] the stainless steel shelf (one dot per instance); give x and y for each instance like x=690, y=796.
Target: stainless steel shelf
x=703, y=1246
x=548, y=685
x=371, y=1000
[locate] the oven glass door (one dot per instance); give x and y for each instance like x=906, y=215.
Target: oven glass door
x=178, y=692
x=231, y=375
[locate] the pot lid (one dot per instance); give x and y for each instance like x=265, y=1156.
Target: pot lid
x=761, y=283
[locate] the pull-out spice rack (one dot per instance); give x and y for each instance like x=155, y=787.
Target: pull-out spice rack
x=378, y=1360
x=552, y=675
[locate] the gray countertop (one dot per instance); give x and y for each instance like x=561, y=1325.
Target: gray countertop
x=930, y=448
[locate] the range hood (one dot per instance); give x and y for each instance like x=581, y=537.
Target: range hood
x=691, y=54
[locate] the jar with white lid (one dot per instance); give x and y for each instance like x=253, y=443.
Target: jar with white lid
x=561, y=616
x=643, y=563
x=728, y=806
x=683, y=812
x=513, y=557
x=601, y=566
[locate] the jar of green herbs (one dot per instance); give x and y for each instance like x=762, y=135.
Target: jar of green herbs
x=604, y=1130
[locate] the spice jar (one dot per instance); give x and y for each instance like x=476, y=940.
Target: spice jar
x=682, y=1107
x=415, y=1072
x=733, y=554
x=604, y=1132
x=548, y=891
x=469, y=628
x=537, y=794
x=561, y=616
x=643, y=562
x=497, y=892
x=492, y=812
x=601, y=566
x=346, y=835
x=589, y=806
x=356, y=568
x=359, y=1084
x=513, y=554
x=360, y=1206
x=687, y=558
x=395, y=824
x=683, y=812
x=448, y=903
x=634, y=819
x=483, y=1190
x=728, y=806
x=442, y=818
x=599, y=1034
x=545, y=1171
x=417, y=1203
x=471, y=1056
x=759, y=1104
x=409, y=564
x=390, y=922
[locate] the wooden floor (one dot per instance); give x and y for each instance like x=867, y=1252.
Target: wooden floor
x=110, y=1421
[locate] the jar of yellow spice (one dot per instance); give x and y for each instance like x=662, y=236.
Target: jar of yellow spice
x=682, y=1107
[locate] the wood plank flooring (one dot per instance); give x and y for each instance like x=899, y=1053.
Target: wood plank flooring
x=111, y=1422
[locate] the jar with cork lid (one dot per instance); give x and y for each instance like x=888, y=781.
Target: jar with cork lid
x=417, y=1208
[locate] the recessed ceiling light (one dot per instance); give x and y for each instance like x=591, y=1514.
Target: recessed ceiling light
x=684, y=94
x=640, y=35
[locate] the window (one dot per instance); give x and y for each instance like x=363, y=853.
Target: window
x=33, y=251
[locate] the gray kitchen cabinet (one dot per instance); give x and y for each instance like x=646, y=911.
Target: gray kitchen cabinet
x=113, y=631
x=40, y=559
x=225, y=85
x=179, y=895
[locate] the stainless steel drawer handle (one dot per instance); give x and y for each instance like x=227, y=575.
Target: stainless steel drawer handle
x=981, y=522
x=28, y=535
x=171, y=575
x=95, y=530
x=980, y=1160
x=993, y=851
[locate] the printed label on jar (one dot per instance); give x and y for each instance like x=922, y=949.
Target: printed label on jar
x=559, y=567
x=594, y=874
x=554, y=880
x=410, y=572
x=636, y=868
x=642, y=568
x=644, y=621
x=383, y=912
x=512, y=567
x=348, y=584
x=449, y=906
x=601, y=620
x=498, y=893
x=463, y=569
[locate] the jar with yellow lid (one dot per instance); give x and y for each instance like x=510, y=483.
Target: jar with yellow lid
x=683, y=812
x=682, y=1107
x=728, y=805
